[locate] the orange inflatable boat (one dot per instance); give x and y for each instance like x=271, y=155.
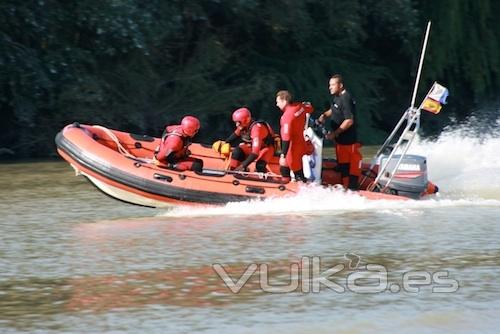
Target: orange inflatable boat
x=120, y=164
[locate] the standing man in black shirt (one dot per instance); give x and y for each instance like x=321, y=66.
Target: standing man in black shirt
x=342, y=110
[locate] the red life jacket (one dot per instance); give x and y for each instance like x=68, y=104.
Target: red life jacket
x=176, y=130
x=268, y=140
x=171, y=153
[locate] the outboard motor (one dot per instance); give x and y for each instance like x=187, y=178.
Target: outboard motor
x=410, y=180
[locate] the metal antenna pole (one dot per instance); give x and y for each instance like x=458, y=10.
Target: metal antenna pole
x=420, y=65
x=412, y=118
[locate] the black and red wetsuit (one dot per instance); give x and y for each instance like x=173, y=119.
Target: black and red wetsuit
x=257, y=145
x=347, y=148
x=174, y=151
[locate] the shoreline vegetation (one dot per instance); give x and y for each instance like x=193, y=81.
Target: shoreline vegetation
x=138, y=66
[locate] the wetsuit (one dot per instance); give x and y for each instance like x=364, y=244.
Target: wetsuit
x=294, y=145
x=174, y=151
x=347, y=148
x=257, y=145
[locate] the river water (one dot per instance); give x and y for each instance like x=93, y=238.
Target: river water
x=73, y=260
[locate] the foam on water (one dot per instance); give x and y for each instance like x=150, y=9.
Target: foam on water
x=315, y=200
x=463, y=161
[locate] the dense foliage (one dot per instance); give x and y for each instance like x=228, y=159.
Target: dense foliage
x=138, y=65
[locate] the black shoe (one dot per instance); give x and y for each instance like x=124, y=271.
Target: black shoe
x=353, y=182
x=299, y=176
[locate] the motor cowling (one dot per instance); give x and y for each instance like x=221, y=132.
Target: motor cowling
x=410, y=179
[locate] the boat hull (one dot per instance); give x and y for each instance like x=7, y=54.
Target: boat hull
x=134, y=179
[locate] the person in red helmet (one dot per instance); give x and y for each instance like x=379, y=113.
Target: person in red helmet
x=173, y=150
x=293, y=146
x=257, y=142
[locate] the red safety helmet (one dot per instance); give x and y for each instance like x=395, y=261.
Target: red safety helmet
x=243, y=116
x=190, y=125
